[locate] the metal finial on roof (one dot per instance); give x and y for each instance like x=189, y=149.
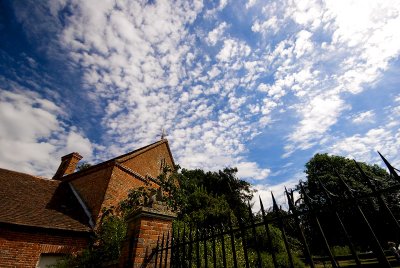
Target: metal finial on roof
x=163, y=134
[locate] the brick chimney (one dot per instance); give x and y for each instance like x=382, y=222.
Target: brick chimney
x=68, y=165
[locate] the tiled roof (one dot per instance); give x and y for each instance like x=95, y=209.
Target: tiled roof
x=32, y=201
x=118, y=159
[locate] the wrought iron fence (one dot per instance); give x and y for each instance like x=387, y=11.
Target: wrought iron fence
x=243, y=244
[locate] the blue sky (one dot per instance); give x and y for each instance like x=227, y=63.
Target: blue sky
x=260, y=85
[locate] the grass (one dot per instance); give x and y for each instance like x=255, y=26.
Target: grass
x=368, y=262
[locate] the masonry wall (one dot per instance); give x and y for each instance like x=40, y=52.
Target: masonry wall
x=144, y=230
x=151, y=161
x=118, y=188
x=92, y=188
x=22, y=248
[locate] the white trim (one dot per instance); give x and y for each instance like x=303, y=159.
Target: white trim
x=83, y=205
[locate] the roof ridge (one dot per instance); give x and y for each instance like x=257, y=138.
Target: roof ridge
x=115, y=159
x=142, y=149
x=26, y=174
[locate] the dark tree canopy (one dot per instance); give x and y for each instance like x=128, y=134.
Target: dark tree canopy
x=215, y=194
x=324, y=168
x=83, y=166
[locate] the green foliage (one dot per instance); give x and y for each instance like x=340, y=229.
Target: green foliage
x=205, y=208
x=105, y=247
x=209, y=197
x=200, y=197
x=325, y=167
x=278, y=248
x=83, y=166
x=340, y=250
x=111, y=233
x=136, y=197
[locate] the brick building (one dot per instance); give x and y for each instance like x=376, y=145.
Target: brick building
x=42, y=219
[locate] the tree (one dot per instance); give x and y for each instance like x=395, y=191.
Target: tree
x=83, y=166
x=326, y=168
x=223, y=188
x=199, y=197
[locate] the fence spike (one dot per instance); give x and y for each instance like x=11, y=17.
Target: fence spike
x=178, y=246
x=366, y=178
x=292, y=207
x=190, y=246
x=381, y=200
x=213, y=247
x=173, y=242
x=182, y=251
x=232, y=242
x=321, y=231
x=223, y=245
x=259, y=262
x=157, y=249
x=166, y=250
x=344, y=184
x=269, y=237
x=198, y=262
x=378, y=248
x=162, y=248
x=392, y=170
x=275, y=205
x=282, y=228
x=205, y=247
x=244, y=242
x=290, y=200
x=328, y=195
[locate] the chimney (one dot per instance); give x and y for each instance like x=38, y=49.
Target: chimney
x=68, y=165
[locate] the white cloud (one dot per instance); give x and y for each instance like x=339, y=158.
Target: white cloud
x=264, y=192
x=222, y=4
x=150, y=69
x=364, y=117
x=250, y=3
x=233, y=49
x=359, y=42
x=250, y=170
x=318, y=115
x=77, y=143
x=152, y=76
x=32, y=137
x=268, y=26
x=364, y=147
x=215, y=35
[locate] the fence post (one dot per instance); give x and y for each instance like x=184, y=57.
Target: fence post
x=380, y=254
x=292, y=207
x=145, y=226
x=328, y=195
x=282, y=228
x=308, y=201
x=269, y=237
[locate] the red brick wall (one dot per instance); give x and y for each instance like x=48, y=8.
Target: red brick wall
x=142, y=236
x=150, y=230
x=118, y=187
x=150, y=161
x=92, y=188
x=22, y=248
x=121, y=182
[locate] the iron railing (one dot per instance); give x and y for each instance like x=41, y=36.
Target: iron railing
x=242, y=244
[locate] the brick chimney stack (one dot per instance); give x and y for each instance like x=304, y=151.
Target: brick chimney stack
x=68, y=165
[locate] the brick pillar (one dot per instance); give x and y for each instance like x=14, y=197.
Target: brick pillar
x=145, y=225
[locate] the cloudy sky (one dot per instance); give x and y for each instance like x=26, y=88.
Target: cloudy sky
x=260, y=85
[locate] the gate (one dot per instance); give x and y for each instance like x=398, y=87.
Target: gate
x=242, y=243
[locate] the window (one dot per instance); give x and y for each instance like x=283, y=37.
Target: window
x=47, y=259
